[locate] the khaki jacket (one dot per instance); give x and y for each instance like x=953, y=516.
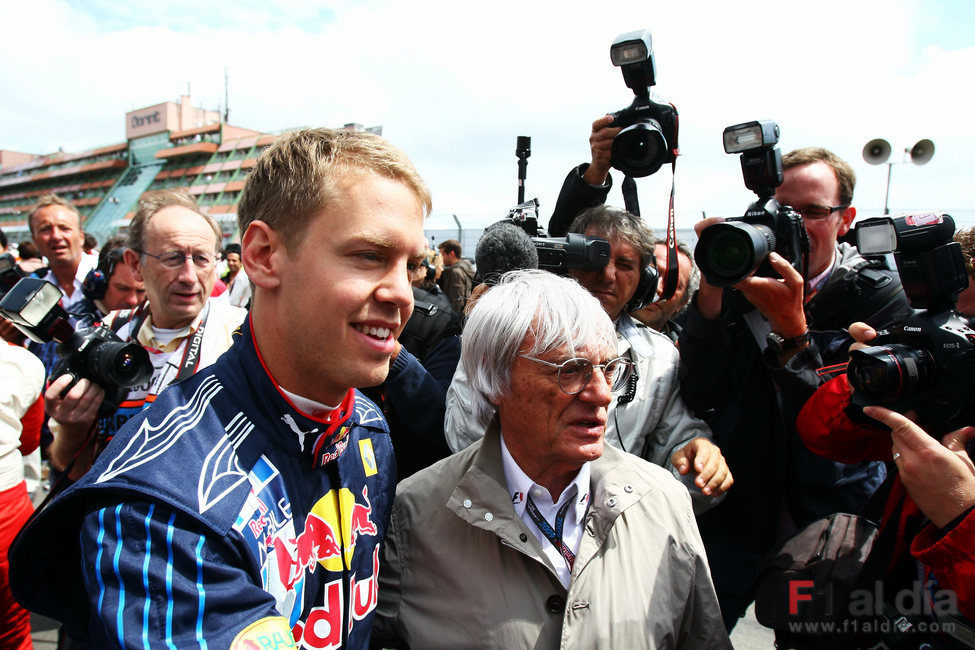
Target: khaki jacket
x=463, y=571
x=652, y=425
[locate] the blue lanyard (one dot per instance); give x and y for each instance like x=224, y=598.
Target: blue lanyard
x=554, y=536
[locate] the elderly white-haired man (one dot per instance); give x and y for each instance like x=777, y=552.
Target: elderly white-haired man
x=539, y=535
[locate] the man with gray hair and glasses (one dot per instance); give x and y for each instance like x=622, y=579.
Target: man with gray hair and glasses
x=539, y=533
x=172, y=247
x=648, y=418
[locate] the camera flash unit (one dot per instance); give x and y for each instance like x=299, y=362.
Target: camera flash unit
x=751, y=135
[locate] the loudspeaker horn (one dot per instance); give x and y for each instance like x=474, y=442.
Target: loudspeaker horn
x=876, y=152
x=922, y=152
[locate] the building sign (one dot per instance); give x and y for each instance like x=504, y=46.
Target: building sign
x=153, y=119
x=143, y=120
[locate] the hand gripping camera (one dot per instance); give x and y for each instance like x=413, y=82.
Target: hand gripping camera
x=731, y=251
x=95, y=353
x=649, y=135
x=926, y=363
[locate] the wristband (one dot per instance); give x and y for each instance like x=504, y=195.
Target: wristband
x=778, y=344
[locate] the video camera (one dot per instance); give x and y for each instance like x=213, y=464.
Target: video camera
x=926, y=363
x=731, y=251
x=557, y=255
x=93, y=352
x=649, y=135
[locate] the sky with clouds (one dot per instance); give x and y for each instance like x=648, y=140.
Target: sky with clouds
x=454, y=84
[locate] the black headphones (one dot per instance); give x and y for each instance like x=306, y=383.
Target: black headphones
x=96, y=282
x=646, y=289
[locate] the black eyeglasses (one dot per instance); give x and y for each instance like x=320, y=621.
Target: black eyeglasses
x=175, y=259
x=818, y=212
x=574, y=374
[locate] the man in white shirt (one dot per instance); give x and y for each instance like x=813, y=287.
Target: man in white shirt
x=238, y=285
x=55, y=226
x=172, y=248
x=538, y=534
x=22, y=378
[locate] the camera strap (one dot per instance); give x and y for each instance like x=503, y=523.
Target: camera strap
x=671, y=277
x=630, y=199
x=632, y=203
x=191, y=356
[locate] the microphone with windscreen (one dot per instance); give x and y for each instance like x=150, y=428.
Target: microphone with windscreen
x=503, y=247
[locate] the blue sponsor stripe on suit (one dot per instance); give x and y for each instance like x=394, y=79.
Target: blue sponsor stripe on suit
x=119, y=620
x=169, y=582
x=98, y=558
x=202, y=592
x=145, y=580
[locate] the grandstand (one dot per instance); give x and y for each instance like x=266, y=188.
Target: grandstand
x=168, y=145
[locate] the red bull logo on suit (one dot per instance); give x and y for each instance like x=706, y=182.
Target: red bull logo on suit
x=329, y=537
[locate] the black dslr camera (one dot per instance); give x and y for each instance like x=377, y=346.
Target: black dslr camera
x=558, y=255
x=93, y=352
x=649, y=135
x=926, y=363
x=731, y=251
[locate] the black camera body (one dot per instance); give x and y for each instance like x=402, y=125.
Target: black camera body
x=93, y=352
x=99, y=355
x=926, y=363
x=648, y=139
x=558, y=255
x=729, y=252
x=649, y=136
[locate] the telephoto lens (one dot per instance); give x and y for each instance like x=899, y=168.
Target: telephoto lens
x=887, y=373
x=729, y=252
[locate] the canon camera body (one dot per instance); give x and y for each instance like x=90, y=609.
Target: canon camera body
x=926, y=363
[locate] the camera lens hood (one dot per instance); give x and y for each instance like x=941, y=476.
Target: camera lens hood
x=729, y=252
x=119, y=364
x=887, y=373
x=640, y=149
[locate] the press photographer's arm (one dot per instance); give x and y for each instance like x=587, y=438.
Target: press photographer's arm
x=588, y=184
x=941, y=480
x=778, y=300
x=73, y=416
x=601, y=146
x=939, y=477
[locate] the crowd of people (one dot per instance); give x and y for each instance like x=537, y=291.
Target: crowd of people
x=349, y=439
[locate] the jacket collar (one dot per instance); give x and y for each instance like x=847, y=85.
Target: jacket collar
x=322, y=440
x=481, y=496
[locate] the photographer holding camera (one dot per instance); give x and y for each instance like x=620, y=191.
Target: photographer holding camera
x=650, y=419
x=172, y=248
x=927, y=516
x=587, y=185
x=112, y=284
x=939, y=479
x=55, y=227
x=749, y=356
x=637, y=140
